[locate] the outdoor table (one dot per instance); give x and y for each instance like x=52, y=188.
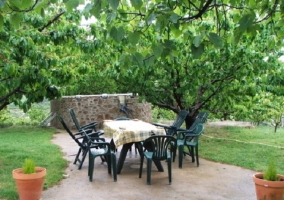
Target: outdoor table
x=127, y=132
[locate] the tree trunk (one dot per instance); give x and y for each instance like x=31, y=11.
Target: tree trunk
x=189, y=120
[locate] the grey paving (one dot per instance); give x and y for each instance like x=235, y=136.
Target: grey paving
x=209, y=181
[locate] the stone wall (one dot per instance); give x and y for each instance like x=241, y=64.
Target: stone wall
x=90, y=108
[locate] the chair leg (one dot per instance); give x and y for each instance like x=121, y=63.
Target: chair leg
x=109, y=163
x=136, y=147
x=77, y=156
x=149, y=170
x=196, y=152
x=114, y=170
x=174, y=153
x=180, y=154
x=141, y=165
x=91, y=168
x=170, y=170
x=130, y=148
x=192, y=154
x=83, y=158
x=103, y=159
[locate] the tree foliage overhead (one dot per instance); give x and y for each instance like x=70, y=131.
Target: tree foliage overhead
x=192, y=54
x=188, y=54
x=39, y=51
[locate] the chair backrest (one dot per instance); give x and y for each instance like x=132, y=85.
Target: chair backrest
x=72, y=113
x=159, y=145
x=177, y=123
x=194, y=124
x=80, y=143
x=196, y=132
x=180, y=118
x=202, y=116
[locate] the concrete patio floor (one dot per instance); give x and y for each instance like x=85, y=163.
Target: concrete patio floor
x=209, y=181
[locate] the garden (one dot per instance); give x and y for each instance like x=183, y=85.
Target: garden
x=221, y=57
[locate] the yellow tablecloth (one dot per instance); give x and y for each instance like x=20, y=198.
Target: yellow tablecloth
x=126, y=131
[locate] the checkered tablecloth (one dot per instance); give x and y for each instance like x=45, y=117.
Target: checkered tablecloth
x=127, y=131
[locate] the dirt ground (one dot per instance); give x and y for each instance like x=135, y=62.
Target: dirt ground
x=209, y=181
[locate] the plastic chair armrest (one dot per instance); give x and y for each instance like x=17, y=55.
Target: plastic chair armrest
x=161, y=125
x=190, y=136
x=90, y=125
x=95, y=134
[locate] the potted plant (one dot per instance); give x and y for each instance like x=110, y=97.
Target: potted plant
x=269, y=185
x=29, y=180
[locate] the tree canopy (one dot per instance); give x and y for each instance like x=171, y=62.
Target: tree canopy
x=193, y=55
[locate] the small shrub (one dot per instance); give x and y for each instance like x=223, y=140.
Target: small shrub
x=29, y=166
x=271, y=172
x=36, y=115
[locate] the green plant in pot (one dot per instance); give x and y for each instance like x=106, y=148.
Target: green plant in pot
x=269, y=185
x=29, y=167
x=29, y=180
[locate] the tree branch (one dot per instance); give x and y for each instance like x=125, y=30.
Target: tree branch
x=26, y=10
x=270, y=13
x=51, y=21
x=6, y=97
x=201, y=11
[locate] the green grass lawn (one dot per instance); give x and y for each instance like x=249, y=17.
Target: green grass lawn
x=250, y=148
x=18, y=143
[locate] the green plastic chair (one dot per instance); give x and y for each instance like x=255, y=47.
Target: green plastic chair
x=189, y=139
x=90, y=127
x=172, y=129
x=82, y=142
x=202, y=116
x=158, y=147
x=104, y=150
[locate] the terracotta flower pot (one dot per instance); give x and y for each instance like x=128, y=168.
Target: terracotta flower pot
x=268, y=190
x=29, y=185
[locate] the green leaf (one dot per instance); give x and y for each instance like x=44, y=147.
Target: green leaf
x=170, y=44
x=134, y=38
x=149, y=61
x=96, y=9
x=271, y=42
x=246, y=21
x=174, y=18
x=197, y=40
x=138, y=58
x=42, y=13
x=197, y=51
x=151, y=18
x=16, y=4
x=71, y=4
x=175, y=30
x=27, y=3
x=110, y=17
x=215, y=39
x=114, y=3
x=117, y=34
x=16, y=19
x=157, y=49
x=2, y=3
x=237, y=36
x=137, y=4
x=1, y=23
x=280, y=22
